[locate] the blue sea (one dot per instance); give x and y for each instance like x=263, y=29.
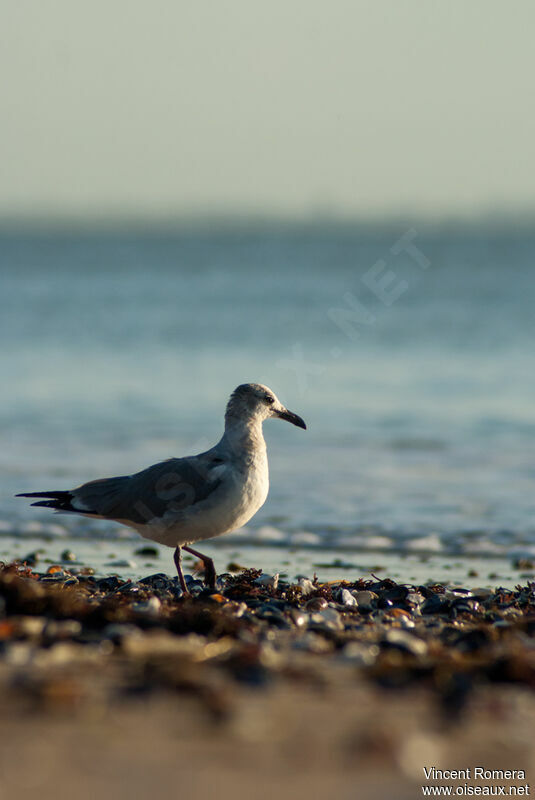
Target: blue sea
x=408, y=350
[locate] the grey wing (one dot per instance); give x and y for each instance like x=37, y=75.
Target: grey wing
x=170, y=486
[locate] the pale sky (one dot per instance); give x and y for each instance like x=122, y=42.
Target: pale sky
x=292, y=108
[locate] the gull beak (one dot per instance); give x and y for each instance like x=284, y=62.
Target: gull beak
x=293, y=418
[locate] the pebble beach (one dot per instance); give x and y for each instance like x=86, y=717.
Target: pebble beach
x=301, y=686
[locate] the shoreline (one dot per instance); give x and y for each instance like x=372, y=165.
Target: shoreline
x=135, y=557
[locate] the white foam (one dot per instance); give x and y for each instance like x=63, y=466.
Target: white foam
x=305, y=538
x=267, y=533
x=364, y=542
x=431, y=542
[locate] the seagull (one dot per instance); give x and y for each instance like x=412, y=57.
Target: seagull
x=181, y=501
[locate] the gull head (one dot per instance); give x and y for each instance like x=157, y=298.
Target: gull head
x=253, y=400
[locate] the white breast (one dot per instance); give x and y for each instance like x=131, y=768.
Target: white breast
x=238, y=498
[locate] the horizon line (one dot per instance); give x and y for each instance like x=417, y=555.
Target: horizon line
x=505, y=218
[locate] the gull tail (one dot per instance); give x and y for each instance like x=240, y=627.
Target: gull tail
x=60, y=501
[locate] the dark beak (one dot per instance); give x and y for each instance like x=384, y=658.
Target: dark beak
x=293, y=418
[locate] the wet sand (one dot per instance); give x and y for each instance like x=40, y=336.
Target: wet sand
x=132, y=558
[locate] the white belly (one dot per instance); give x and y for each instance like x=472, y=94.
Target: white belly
x=230, y=507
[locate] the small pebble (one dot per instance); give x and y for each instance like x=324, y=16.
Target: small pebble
x=58, y=577
x=31, y=559
x=109, y=584
x=63, y=629
x=327, y=618
x=482, y=593
x=415, y=597
x=151, y=607
x=147, y=550
x=30, y=627
x=345, y=598
x=360, y=653
x=316, y=604
x=436, y=604
x=117, y=631
x=306, y=585
x=406, y=641
x=298, y=617
x=158, y=581
x=129, y=588
x=365, y=599
x=269, y=581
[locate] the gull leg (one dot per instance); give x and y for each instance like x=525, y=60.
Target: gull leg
x=178, y=564
x=210, y=574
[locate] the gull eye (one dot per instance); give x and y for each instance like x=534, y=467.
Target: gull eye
x=269, y=400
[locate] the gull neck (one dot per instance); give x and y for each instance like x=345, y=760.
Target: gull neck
x=244, y=433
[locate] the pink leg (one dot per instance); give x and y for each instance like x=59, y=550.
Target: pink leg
x=178, y=564
x=210, y=574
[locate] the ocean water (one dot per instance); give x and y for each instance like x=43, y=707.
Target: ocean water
x=408, y=351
